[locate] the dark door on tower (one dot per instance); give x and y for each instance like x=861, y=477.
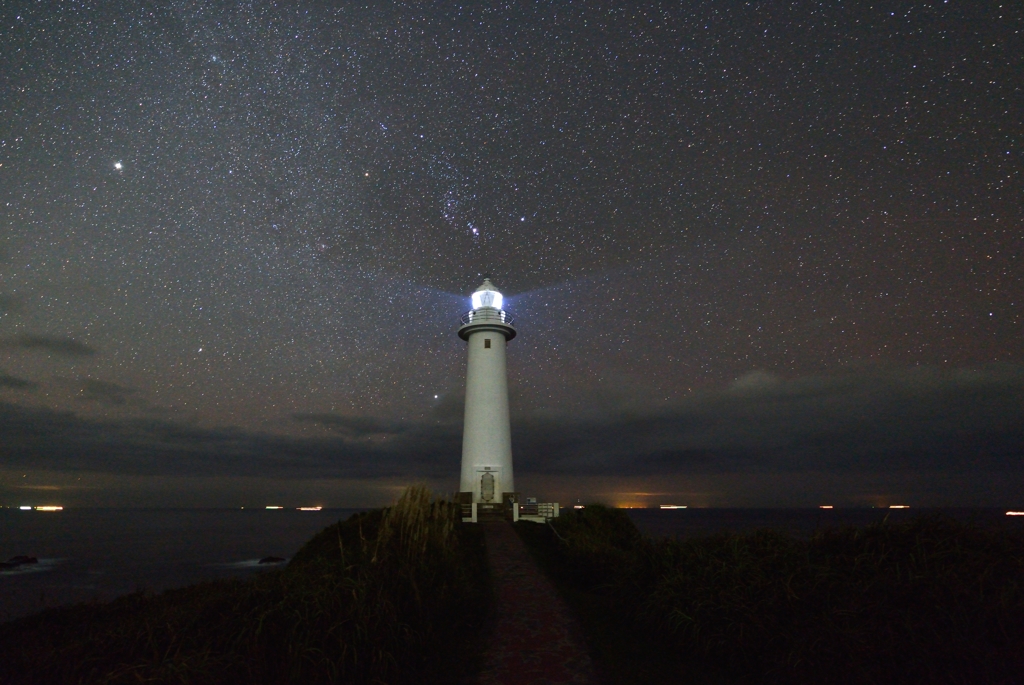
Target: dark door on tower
x=487, y=487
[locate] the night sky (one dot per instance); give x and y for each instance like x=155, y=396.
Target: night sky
x=758, y=253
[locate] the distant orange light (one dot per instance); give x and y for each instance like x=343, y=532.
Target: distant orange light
x=826, y=506
x=899, y=506
x=310, y=508
x=49, y=508
x=578, y=506
x=1015, y=513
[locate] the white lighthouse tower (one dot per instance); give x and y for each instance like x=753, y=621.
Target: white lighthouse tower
x=487, y=478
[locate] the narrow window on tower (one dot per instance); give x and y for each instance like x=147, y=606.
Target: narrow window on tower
x=487, y=343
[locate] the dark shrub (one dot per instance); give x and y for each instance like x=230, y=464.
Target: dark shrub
x=931, y=601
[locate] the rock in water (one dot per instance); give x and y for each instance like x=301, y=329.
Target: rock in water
x=271, y=560
x=19, y=560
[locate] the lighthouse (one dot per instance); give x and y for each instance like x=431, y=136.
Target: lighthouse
x=487, y=479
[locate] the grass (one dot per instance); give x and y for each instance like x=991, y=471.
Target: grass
x=389, y=596
x=930, y=601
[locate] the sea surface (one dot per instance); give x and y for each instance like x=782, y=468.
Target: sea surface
x=99, y=554
x=676, y=523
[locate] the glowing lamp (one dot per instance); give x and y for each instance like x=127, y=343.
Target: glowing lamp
x=487, y=298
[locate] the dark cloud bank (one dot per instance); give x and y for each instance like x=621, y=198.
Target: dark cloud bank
x=899, y=421
x=58, y=345
x=874, y=420
x=13, y=382
x=9, y=304
x=104, y=392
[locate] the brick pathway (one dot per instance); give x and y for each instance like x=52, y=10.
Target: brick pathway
x=536, y=641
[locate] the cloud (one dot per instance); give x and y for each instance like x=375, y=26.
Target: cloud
x=15, y=383
x=353, y=426
x=104, y=392
x=9, y=304
x=50, y=439
x=755, y=382
x=61, y=346
x=872, y=420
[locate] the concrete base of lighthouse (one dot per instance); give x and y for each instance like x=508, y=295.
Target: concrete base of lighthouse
x=473, y=512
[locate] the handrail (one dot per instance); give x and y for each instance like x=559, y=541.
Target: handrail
x=487, y=315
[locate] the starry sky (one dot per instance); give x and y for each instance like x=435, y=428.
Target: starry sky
x=759, y=254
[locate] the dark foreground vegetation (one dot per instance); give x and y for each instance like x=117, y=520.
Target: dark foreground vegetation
x=931, y=601
x=390, y=596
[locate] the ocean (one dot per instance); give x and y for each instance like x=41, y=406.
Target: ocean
x=99, y=554
x=798, y=522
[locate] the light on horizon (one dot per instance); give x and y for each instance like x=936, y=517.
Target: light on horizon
x=672, y=506
x=899, y=506
x=271, y=506
x=826, y=506
x=25, y=508
x=1015, y=513
x=49, y=507
x=310, y=508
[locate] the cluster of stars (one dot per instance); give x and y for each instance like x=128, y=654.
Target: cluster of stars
x=251, y=211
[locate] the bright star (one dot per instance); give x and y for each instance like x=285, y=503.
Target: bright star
x=118, y=166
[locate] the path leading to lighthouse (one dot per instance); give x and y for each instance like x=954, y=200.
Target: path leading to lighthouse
x=536, y=640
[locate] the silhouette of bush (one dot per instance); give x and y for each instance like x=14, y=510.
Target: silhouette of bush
x=928, y=601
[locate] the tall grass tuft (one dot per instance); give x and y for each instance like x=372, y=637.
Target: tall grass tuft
x=929, y=601
x=390, y=596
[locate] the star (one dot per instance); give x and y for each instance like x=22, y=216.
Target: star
x=672, y=186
